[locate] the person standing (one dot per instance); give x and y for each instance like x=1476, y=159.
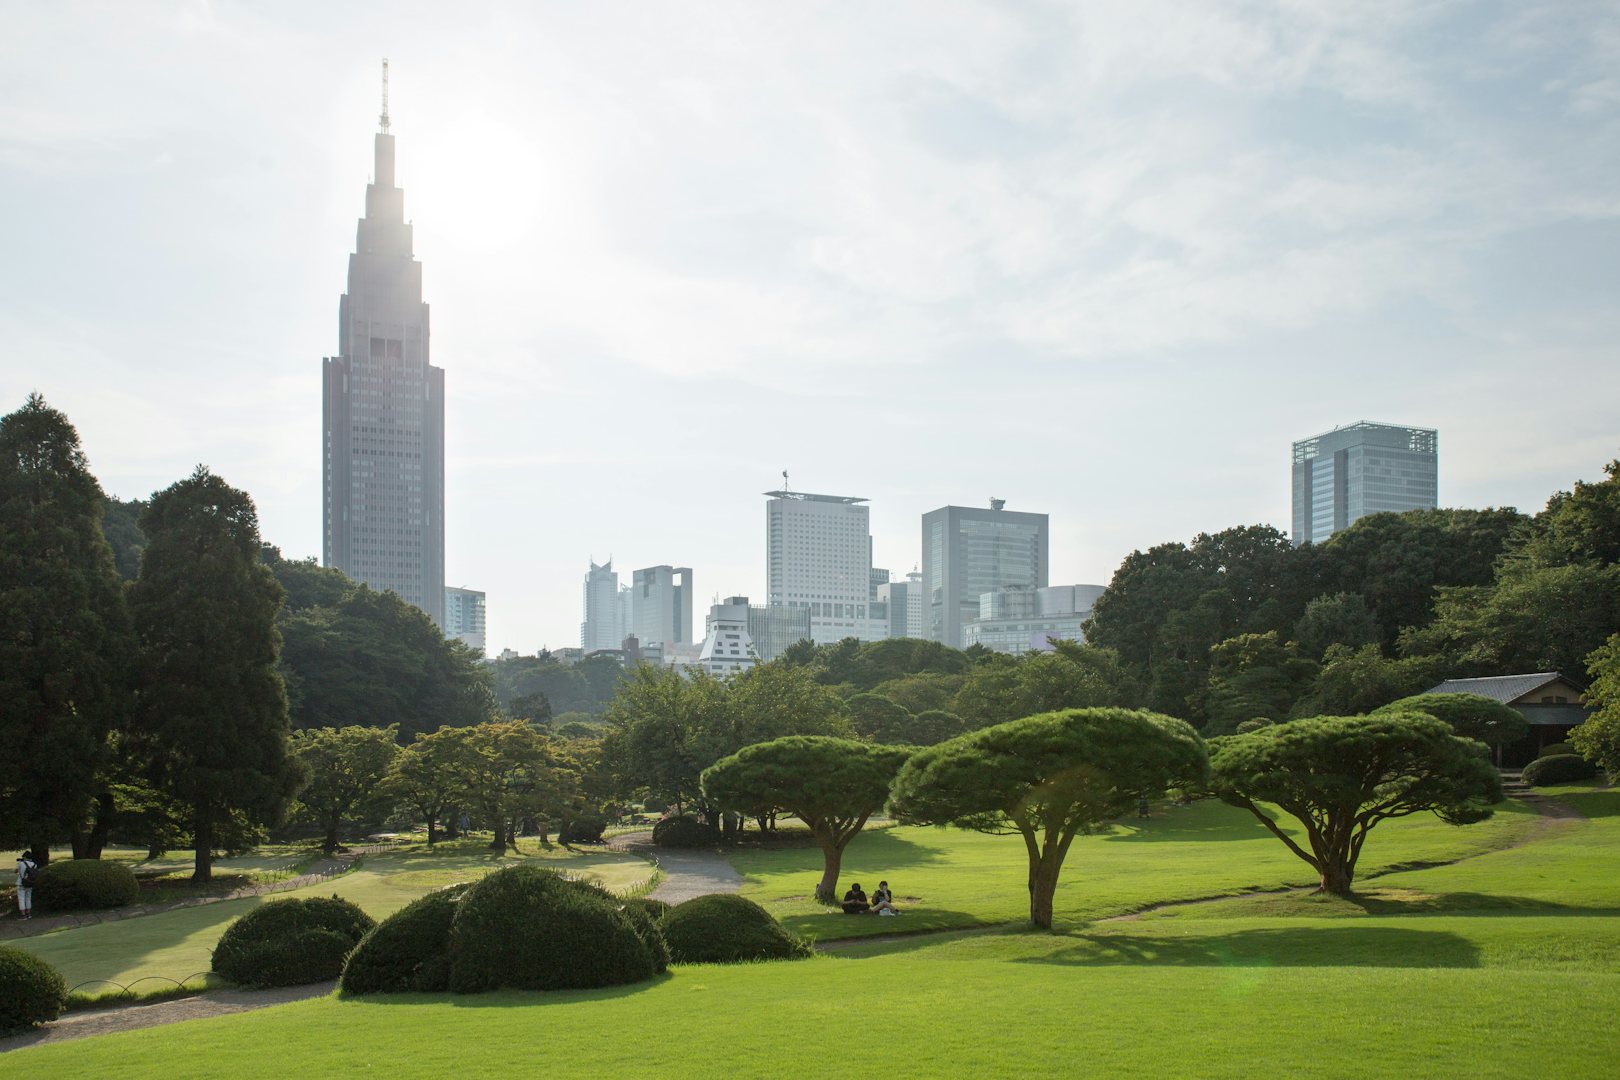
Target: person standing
x=27, y=875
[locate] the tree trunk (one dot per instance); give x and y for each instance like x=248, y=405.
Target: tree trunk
x=203, y=831
x=40, y=853
x=105, y=809
x=832, y=858
x=1336, y=877
x=1042, y=888
x=331, y=843
x=432, y=834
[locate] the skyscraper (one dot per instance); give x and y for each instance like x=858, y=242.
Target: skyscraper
x=383, y=411
x=464, y=617
x=661, y=605
x=818, y=555
x=967, y=552
x=604, y=626
x=1366, y=468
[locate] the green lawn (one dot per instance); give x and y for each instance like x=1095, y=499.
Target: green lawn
x=1504, y=965
x=176, y=944
x=947, y=878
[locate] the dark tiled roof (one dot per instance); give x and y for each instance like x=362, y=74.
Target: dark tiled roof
x=1503, y=688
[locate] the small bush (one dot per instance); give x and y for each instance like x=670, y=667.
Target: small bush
x=684, y=831
x=31, y=991
x=526, y=928
x=408, y=951
x=656, y=908
x=1558, y=769
x=291, y=942
x=725, y=929
x=585, y=829
x=85, y=884
x=1556, y=749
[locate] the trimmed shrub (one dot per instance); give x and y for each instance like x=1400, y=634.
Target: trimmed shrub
x=585, y=829
x=525, y=928
x=726, y=929
x=31, y=991
x=1556, y=749
x=291, y=942
x=684, y=831
x=85, y=884
x=656, y=908
x=1558, y=769
x=408, y=951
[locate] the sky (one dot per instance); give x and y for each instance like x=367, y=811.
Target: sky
x=1106, y=261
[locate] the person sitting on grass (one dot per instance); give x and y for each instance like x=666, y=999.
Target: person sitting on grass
x=855, y=901
x=883, y=900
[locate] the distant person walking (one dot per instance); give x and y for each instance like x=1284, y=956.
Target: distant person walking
x=27, y=875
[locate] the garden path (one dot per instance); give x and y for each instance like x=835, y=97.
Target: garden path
x=80, y=1025
x=686, y=873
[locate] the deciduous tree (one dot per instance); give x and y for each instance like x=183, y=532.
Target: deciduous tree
x=346, y=768
x=1598, y=739
x=1340, y=776
x=1048, y=778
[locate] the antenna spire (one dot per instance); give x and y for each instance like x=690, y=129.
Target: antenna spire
x=382, y=120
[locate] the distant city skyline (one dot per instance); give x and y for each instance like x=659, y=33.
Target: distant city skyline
x=1101, y=262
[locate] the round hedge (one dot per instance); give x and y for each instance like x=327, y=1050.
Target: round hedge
x=584, y=829
x=525, y=928
x=408, y=951
x=291, y=942
x=1555, y=749
x=31, y=991
x=656, y=908
x=726, y=929
x=684, y=831
x=85, y=884
x=1558, y=769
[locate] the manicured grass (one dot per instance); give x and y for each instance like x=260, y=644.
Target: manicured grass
x=948, y=878
x=173, y=945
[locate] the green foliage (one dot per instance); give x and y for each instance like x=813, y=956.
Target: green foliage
x=1072, y=676
x=407, y=952
x=213, y=707
x=308, y=584
x=1530, y=619
x=586, y=687
x=32, y=992
x=121, y=525
x=921, y=692
x=1558, y=769
x=525, y=928
x=865, y=666
x=1339, y=776
x=372, y=660
x=684, y=831
x=727, y=929
x=877, y=718
x=1340, y=619
x=291, y=942
x=583, y=828
x=511, y=771
x=346, y=767
x=65, y=643
x=1047, y=778
x=1598, y=739
x=832, y=785
x=1253, y=676
x=1556, y=748
x=85, y=884
x=1354, y=682
x=656, y=908
x=430, y=774
x=1579, y=526
x=1473, y=716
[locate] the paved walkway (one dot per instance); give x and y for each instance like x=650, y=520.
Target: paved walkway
x=80, y=1025
x=687, y=873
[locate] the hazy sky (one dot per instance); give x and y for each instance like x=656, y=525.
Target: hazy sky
x=1104, y=260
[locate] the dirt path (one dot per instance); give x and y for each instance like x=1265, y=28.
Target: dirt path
x=13, y=929
x=80, y=1025
x=687, y=874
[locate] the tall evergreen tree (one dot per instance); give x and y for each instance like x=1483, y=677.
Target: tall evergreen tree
x=213, y=704
x=64, y=629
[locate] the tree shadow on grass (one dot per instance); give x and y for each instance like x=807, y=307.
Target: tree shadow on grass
x=511, y=999
x=1393, y=901
x=1373, y=946
x=1198, y=823
x=1594, y=804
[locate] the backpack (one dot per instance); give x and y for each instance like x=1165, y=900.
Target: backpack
x=30, y=874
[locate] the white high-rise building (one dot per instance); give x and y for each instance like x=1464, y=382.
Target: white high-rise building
x=905, y=611
x=818, y=556
x=604, y=626
x=464, y=617
x=727, y=648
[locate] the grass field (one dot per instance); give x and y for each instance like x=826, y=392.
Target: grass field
x=1503, y=965
x=173, y=945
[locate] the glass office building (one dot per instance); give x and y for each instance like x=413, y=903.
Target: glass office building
x=1366, y=468
x=967, y=552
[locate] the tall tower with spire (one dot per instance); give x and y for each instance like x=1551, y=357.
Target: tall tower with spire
x=383, y=409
